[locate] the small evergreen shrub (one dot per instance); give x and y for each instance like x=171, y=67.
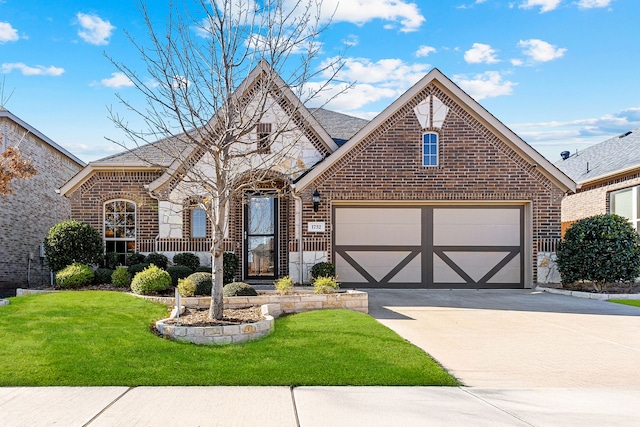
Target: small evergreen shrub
x=186, y=287
x=178, y=272
x=74, y=276
x=284, y=285
x=153, y=279
x=203, y=282
x=238, y=289
x=325, y=285
x=601, y=249
x=134, y=258
x=102, y=276
x=137, y=268
x=111, y=260
x=203, y=269
x=121, y=278
x=157, y=259
x=72, y=241
x=187, y=259
x=230, y=267
x=323, y=269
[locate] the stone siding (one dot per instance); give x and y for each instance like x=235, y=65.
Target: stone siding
x=33, y=208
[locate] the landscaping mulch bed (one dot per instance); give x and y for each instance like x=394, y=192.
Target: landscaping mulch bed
x=195, y=317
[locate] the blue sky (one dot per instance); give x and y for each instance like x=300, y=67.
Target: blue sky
x=563, y=74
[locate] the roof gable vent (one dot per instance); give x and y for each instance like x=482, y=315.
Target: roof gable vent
x=565, y=155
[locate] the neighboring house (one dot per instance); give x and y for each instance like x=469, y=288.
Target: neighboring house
x=34, y=207
x=608, y=177
x=434, y=192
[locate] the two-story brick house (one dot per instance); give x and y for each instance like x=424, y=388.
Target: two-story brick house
x=433, y=192
x=28, y=213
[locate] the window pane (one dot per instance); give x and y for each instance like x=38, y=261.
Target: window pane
x=622, y=203
x=198, y=223
x=261, y=219
x=261, y=253
x=430, y=149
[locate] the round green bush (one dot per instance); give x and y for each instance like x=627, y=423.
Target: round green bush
x=74, y=276
x=153, y=279
x=186, y=287
x=203, y=282
x=238, y=289
x=102, y=276
x=121, y=278
x=203, y=269
x=187, y=259
x=601, y=249
x=72, y=241
x=230, y=263
x=111, y=260
x=178, y=272
x=134, y=258
x=325, y=285
x=157, y=259
x=137, y=268
x=323, y=269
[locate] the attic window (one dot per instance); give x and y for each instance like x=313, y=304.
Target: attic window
x=264, y=137
x=430, y=149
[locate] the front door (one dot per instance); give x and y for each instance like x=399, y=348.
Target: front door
x=260, y=234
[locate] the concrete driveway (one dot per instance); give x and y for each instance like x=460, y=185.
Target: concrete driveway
x=518, y=338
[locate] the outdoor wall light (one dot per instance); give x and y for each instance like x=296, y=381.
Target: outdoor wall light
x=316, y=200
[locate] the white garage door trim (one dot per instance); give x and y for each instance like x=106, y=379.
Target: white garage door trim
x=430, y=246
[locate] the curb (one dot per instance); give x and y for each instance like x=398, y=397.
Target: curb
x=588, y=295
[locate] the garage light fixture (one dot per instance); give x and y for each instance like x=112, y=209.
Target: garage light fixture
x=316, y=200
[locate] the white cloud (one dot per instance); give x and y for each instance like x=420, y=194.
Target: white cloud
x=486, y=85
x=7, y=33
x=117, y=80
x=481, y=53
x=402, y=12
x=94, y=30
x=425, y=51
x=517, y=62
x=590, y=4
x=26, y=70
x=545, y=5
x=540, y=51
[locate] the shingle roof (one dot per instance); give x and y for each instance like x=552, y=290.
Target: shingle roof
x=340, y=127
x=616, y=154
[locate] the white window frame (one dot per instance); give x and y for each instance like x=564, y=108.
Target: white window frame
x=634, y=204
x=195, y=235
x=120, y=239
x=437, y=153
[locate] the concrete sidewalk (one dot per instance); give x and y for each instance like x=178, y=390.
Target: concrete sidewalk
x=316, y=406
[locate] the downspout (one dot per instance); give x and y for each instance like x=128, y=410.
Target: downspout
x=298, y=200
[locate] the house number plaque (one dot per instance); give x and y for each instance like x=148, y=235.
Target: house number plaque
x=315, y=227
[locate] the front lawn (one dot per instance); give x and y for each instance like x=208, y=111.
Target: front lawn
x=632, y=302
x=97, y=338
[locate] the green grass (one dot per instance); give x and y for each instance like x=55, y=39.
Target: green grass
x=632, y=302
x=96, y=338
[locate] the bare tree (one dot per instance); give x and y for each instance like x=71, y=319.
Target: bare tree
x=217, y=73
x=13, y=165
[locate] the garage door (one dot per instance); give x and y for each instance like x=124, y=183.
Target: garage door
x=429, y=246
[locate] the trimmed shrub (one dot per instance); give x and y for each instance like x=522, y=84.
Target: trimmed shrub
x=111, y=260
x=137, y=268
x=186, y=287
x=325, y=285
x=187, y=259
x=134, y=258
x=153, y=279
x=72, y=241
x=121, y=278
x=230, y=267
x=74, y=276
x=284, y=285
x=203, y=269
x=323, y=269
x=102, y=276
x=178, y=272
x=157, y=259
x=601, y=249
x=203, y=282
x=238, y=289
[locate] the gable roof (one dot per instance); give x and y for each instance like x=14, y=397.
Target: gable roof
x=437, y=77
x=341, y=127
x=615, y=156
x=9, y=115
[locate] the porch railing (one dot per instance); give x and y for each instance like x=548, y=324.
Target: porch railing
x=181, y=245
x=548, y=245
x=310, y=244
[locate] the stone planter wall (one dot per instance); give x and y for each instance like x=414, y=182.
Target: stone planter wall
x=282, y=304
x=228, y=334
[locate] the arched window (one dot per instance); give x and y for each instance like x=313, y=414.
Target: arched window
x=430, y=149
x=120, y=227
